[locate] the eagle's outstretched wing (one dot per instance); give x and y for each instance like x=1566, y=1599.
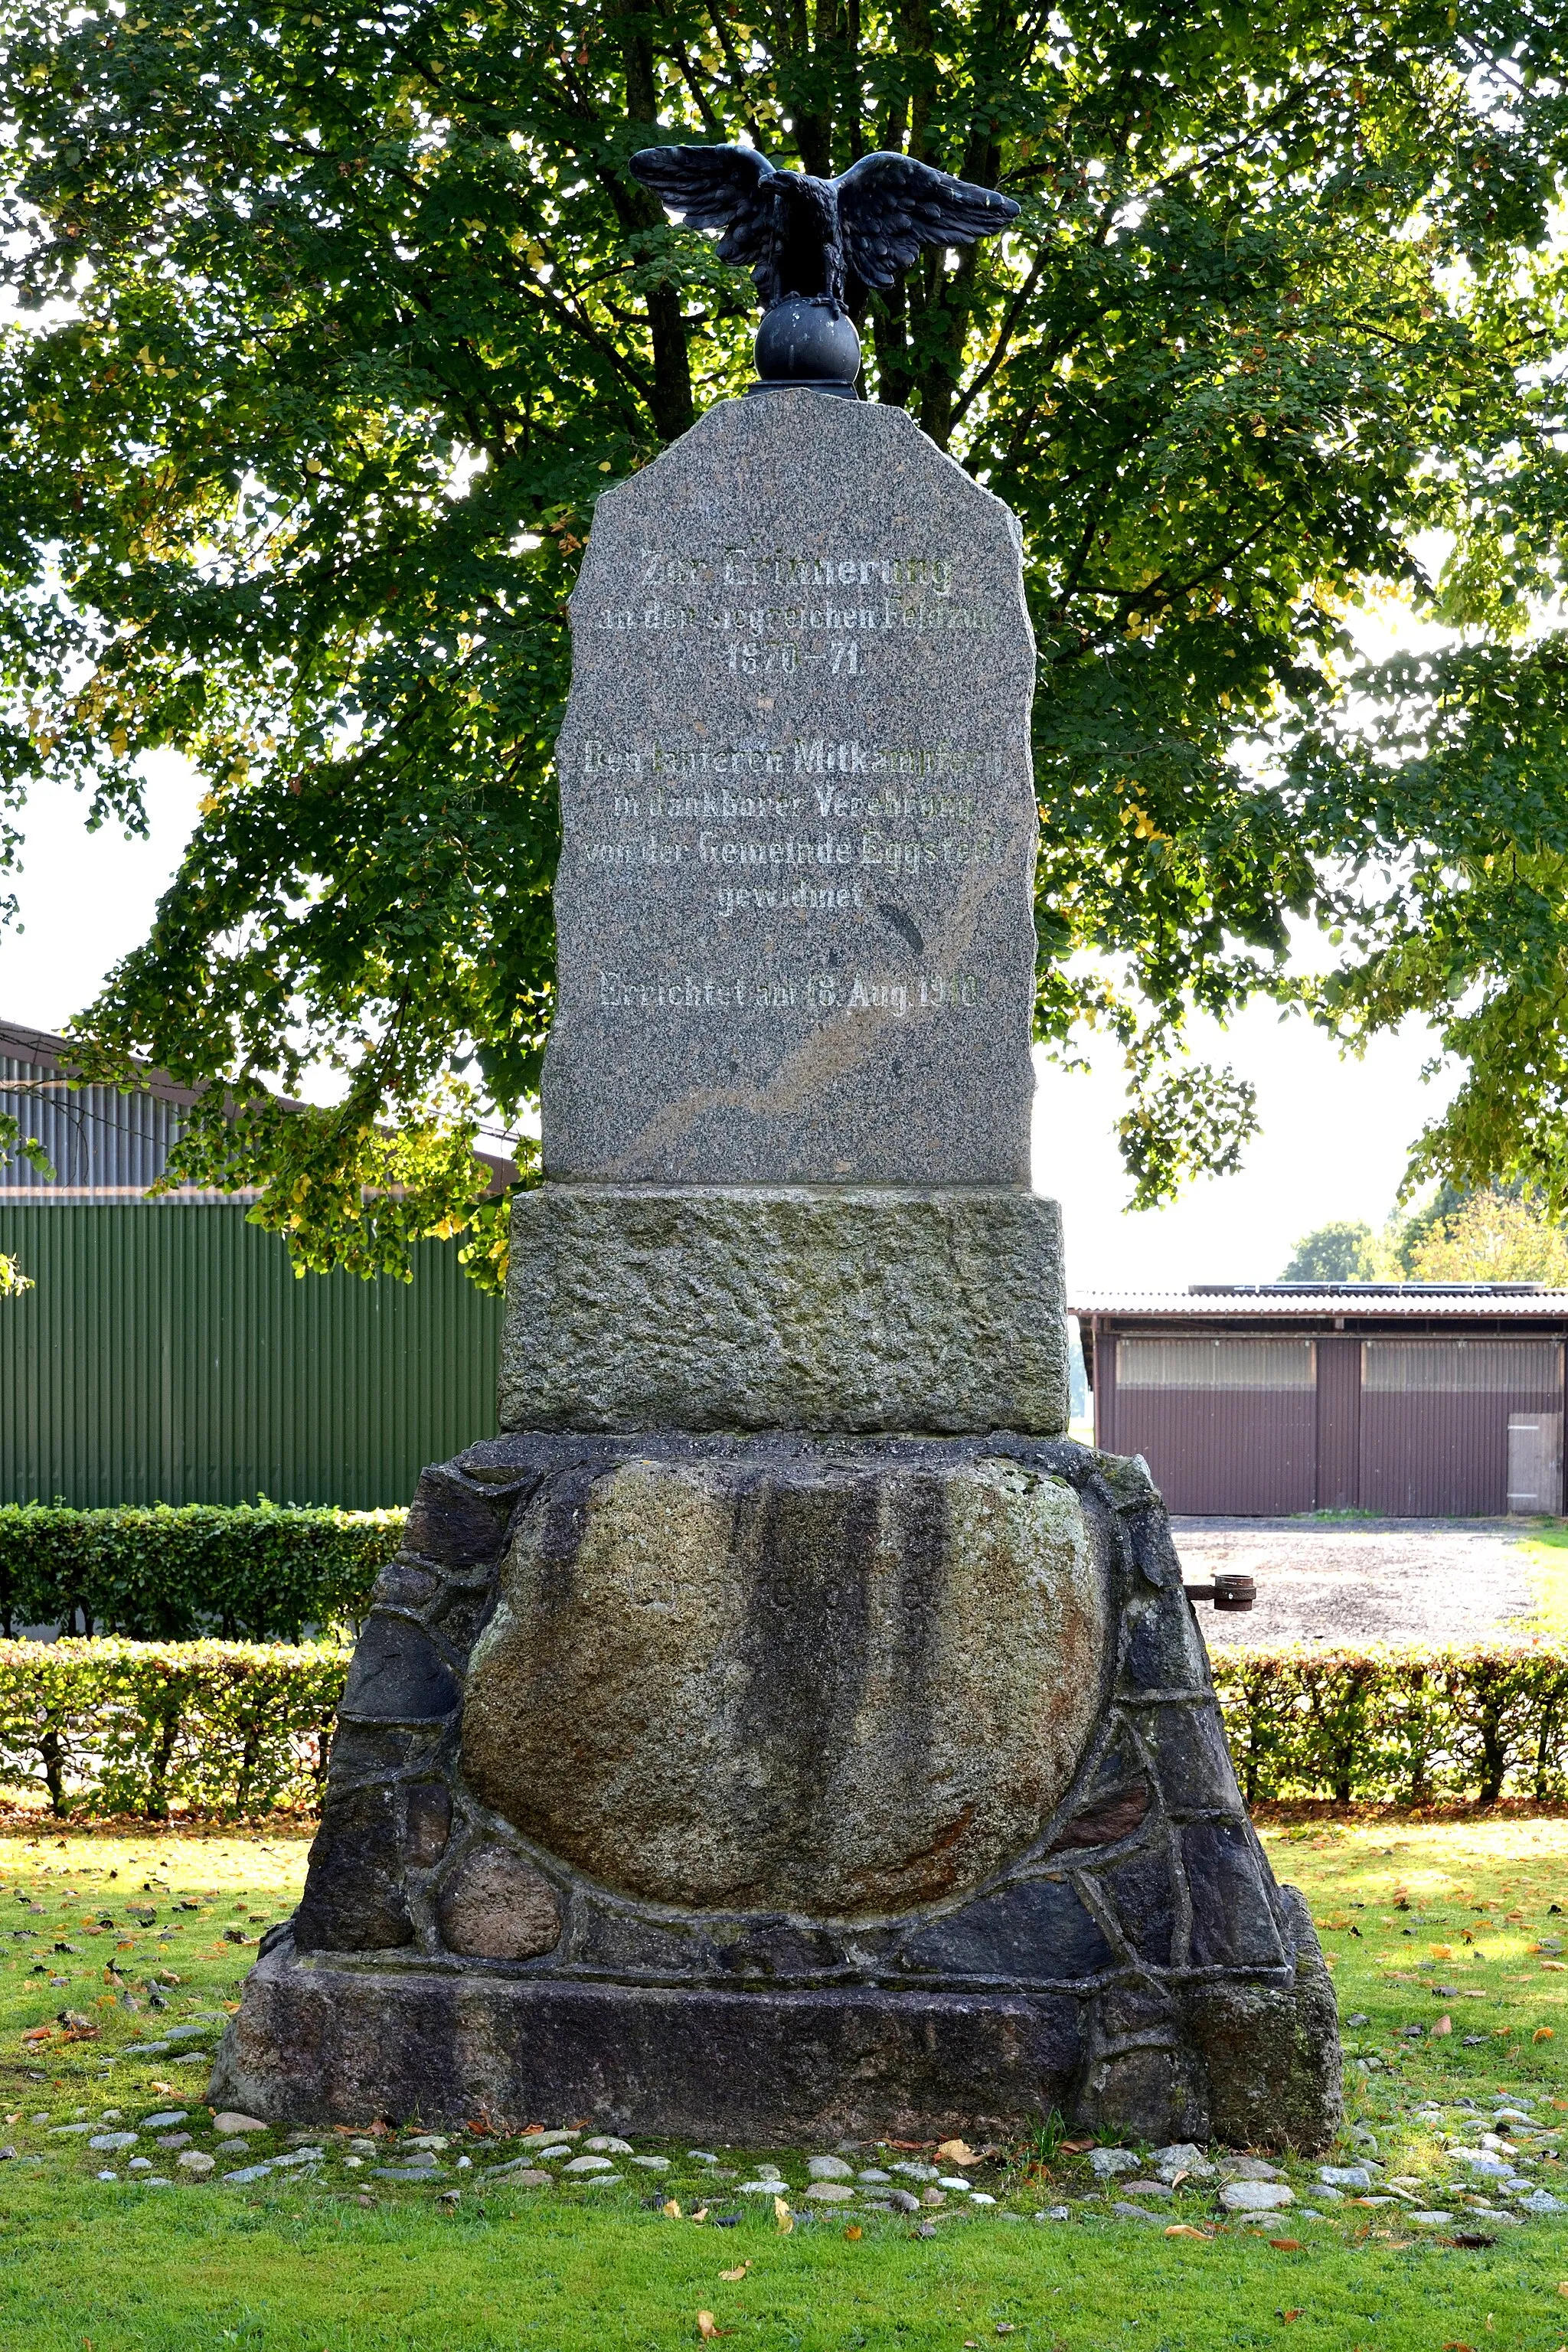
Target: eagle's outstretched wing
x=889, y=206
x=714, y=187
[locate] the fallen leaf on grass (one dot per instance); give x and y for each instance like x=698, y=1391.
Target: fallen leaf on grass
x=737, y=2273
x=1186, y=2230
x=1542, y=2033
x=1288, y=2315
x=1077, y=2147
x=1287, y=2245
x=1005, y=2327
x=956, y=2151
x=854, y=2230
x=783, y=2216
x=1445, y=2025
x=708, y=2326
x=700, y=2214
x=672, y=2210
x=1459, y=2347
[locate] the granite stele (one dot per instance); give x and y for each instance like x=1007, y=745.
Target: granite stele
x=783, y=1729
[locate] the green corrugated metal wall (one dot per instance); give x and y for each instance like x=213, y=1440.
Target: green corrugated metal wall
x=167, y=1353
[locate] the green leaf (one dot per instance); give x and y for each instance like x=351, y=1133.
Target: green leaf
x=330, y=330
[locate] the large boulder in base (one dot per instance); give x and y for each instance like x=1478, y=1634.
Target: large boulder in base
x=834, y=1682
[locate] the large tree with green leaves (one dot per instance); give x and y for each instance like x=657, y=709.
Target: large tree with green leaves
x=333, y=325
x=1345, y=1250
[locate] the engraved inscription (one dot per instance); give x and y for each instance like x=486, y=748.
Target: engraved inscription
x=820, y=992
x=797, y=826
x=809, y=829
x=827, y=610
x=811, y=846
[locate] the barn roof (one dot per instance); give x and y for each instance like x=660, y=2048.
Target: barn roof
x=108, y=1145
x=1205, y=1302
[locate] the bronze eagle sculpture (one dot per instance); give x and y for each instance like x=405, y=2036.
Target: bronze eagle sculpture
x=826, y=241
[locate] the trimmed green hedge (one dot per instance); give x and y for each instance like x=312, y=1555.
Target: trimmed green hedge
x=240, y=1728
x=108, y=1727
x=1404, y=1726
x=166, y=1572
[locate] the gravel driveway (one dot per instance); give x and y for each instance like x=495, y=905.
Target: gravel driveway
x=1398, y=1580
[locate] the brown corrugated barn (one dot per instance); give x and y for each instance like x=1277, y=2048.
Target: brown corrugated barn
x=1412, y=1400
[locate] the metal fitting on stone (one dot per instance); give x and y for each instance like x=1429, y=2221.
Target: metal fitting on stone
x=1229, y=1589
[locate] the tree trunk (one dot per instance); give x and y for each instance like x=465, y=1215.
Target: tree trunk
x=52, y=1753
x=670, y=400
x=814, y=124
x=162, y=1758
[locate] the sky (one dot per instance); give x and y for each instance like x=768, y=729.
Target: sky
x=1334, y=1142
x=1335, y=1133
x=87, y=899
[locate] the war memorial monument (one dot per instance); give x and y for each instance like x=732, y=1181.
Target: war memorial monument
x=782, y=1731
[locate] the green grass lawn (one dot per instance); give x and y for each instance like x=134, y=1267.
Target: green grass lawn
x=1546, y=1549
x=335, y=2260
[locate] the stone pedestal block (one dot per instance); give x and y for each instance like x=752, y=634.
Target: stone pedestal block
x=787, y=1786
x=784, y=1306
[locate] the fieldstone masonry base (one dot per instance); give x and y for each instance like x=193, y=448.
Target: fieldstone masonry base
x=1123, y=1955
